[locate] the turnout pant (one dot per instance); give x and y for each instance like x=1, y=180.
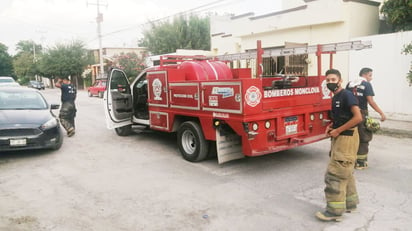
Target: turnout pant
x=340, y=190
x=365, y=136
x=67, y=114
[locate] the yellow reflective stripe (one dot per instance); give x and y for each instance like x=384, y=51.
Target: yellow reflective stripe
x=337, y=205
x=353, y=197
x=362, y=157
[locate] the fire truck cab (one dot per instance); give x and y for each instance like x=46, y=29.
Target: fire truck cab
x=220, y=110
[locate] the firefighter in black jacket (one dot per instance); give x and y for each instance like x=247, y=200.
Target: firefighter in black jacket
x=340, y=190
x=68, y=108
x=362, y=88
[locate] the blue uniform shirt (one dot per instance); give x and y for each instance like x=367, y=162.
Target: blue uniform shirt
x=362, y=90
x=341, y=107
x=68, y=92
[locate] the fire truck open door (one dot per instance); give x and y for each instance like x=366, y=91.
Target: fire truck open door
x=118, y=100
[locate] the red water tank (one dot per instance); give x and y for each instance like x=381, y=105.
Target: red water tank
x=206, y=70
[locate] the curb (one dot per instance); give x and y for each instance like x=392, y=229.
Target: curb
x=395, y=133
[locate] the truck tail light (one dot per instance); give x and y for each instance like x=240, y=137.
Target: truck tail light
x=312, y=117
x=255, y=126
x=251, y=134
x=267, y=124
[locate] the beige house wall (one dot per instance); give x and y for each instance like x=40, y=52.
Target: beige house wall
x=312, y=22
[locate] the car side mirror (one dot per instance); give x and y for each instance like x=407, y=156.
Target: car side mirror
x=54, y=106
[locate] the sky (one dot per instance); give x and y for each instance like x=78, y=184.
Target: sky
x=51, y=22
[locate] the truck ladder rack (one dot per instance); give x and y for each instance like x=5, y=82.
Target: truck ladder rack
x=322, y=48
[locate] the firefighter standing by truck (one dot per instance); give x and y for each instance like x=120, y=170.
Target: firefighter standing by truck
x=68, y=108
x=362, y=88
x=340, y=190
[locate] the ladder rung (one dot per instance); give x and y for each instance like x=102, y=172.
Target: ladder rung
x=332, y=47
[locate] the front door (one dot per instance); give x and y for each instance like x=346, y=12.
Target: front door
x=118, y=100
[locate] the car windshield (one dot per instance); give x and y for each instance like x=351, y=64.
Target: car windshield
x=21, y=100
x=6, y=80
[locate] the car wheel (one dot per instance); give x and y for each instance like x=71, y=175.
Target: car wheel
x=101, y=94
x=124, y=131
x=89, y=93
x=191, y=142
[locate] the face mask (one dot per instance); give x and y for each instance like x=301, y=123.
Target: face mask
x=332, y=86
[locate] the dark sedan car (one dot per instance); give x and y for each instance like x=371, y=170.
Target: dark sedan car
x=26, y=121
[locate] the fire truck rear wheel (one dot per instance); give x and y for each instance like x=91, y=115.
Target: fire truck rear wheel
x=124, y=131
x=191, y=142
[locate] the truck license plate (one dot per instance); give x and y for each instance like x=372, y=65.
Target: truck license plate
x=18, y=142
x=291, y=129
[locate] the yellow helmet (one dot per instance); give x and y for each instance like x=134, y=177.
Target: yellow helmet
x=372, y=125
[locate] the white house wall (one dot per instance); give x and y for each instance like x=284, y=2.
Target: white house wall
x=392, y=91
x=316, y=22
x=362, y=19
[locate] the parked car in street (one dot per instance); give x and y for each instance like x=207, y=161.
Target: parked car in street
x=27, y=121
x=97, y=88
x=7, y=81
x=36, y=84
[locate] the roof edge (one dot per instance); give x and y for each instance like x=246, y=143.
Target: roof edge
x=279, y=12
x=367, y=2
x=242, y=15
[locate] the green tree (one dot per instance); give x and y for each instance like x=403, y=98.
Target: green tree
x=130, y=63
x=65, y=60
x=24, y=67
x=6, y=61
x=28, y=46
x=398, y=13
x=407, y=50
x=25, y=61
x=182, y=33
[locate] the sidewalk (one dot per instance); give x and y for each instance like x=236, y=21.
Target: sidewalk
x=396, y=128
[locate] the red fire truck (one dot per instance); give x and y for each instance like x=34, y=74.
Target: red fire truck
x=231, y=112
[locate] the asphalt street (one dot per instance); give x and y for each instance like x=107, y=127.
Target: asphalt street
x=101, y=181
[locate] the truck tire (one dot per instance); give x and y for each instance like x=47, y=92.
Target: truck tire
x=191, y=142
x=124, y=131
x=101, y=94
x=89, y=94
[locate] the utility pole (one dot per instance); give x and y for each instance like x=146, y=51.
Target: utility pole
x=34, y=52
x=38, y=77
x=34, y=57
x=99, y=20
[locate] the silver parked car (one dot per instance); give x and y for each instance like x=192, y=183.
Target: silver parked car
x=7, y=81
x=36, y=84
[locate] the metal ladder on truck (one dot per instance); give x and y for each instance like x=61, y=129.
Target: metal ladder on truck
x=330, y=48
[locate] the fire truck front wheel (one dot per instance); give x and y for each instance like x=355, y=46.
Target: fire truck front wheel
x=191, y=142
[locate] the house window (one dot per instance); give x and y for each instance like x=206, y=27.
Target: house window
x=296, y=65
x=289, y=65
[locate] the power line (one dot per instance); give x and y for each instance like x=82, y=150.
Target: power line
x=198, y=8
